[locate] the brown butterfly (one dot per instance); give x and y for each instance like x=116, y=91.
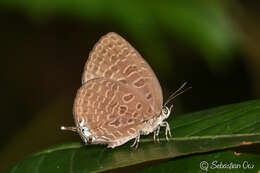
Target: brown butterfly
x=120, y=97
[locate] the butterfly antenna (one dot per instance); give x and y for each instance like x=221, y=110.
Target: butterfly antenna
x=177, y=93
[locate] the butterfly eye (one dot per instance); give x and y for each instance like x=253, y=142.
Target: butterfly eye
x=83, y=131
x=164, y=111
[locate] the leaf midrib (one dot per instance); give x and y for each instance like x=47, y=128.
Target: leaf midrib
x=187, y=138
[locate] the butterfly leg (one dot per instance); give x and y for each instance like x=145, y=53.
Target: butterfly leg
x=167, y=129
x=156, y=135
x=136, y=142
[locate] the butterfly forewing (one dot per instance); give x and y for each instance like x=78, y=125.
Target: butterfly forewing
x=111, y=109
x=114, y=58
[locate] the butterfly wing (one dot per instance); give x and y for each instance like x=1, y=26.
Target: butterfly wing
x=111, y=110
x=114, y=58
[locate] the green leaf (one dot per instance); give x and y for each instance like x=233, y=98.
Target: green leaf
x=242, y=163
x=211, y=130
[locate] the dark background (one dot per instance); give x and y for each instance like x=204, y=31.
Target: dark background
x=214, y=45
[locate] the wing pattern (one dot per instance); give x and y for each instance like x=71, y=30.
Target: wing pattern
x=114, y=58
x=110, y=109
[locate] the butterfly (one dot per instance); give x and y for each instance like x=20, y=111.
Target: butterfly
x=120, y=97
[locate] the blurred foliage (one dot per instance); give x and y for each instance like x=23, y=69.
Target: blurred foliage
x=202, y=24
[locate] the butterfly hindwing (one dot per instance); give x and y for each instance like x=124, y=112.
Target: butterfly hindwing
x=111, y=109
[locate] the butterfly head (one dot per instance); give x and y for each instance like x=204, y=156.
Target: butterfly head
x=166, y=111
x=83, y=130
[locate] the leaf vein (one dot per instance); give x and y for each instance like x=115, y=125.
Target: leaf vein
x=222, y=122
x=39, y=163
x=72, y=160
x=247, y=126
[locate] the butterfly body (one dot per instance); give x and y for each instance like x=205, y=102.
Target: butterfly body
x=151, y=125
